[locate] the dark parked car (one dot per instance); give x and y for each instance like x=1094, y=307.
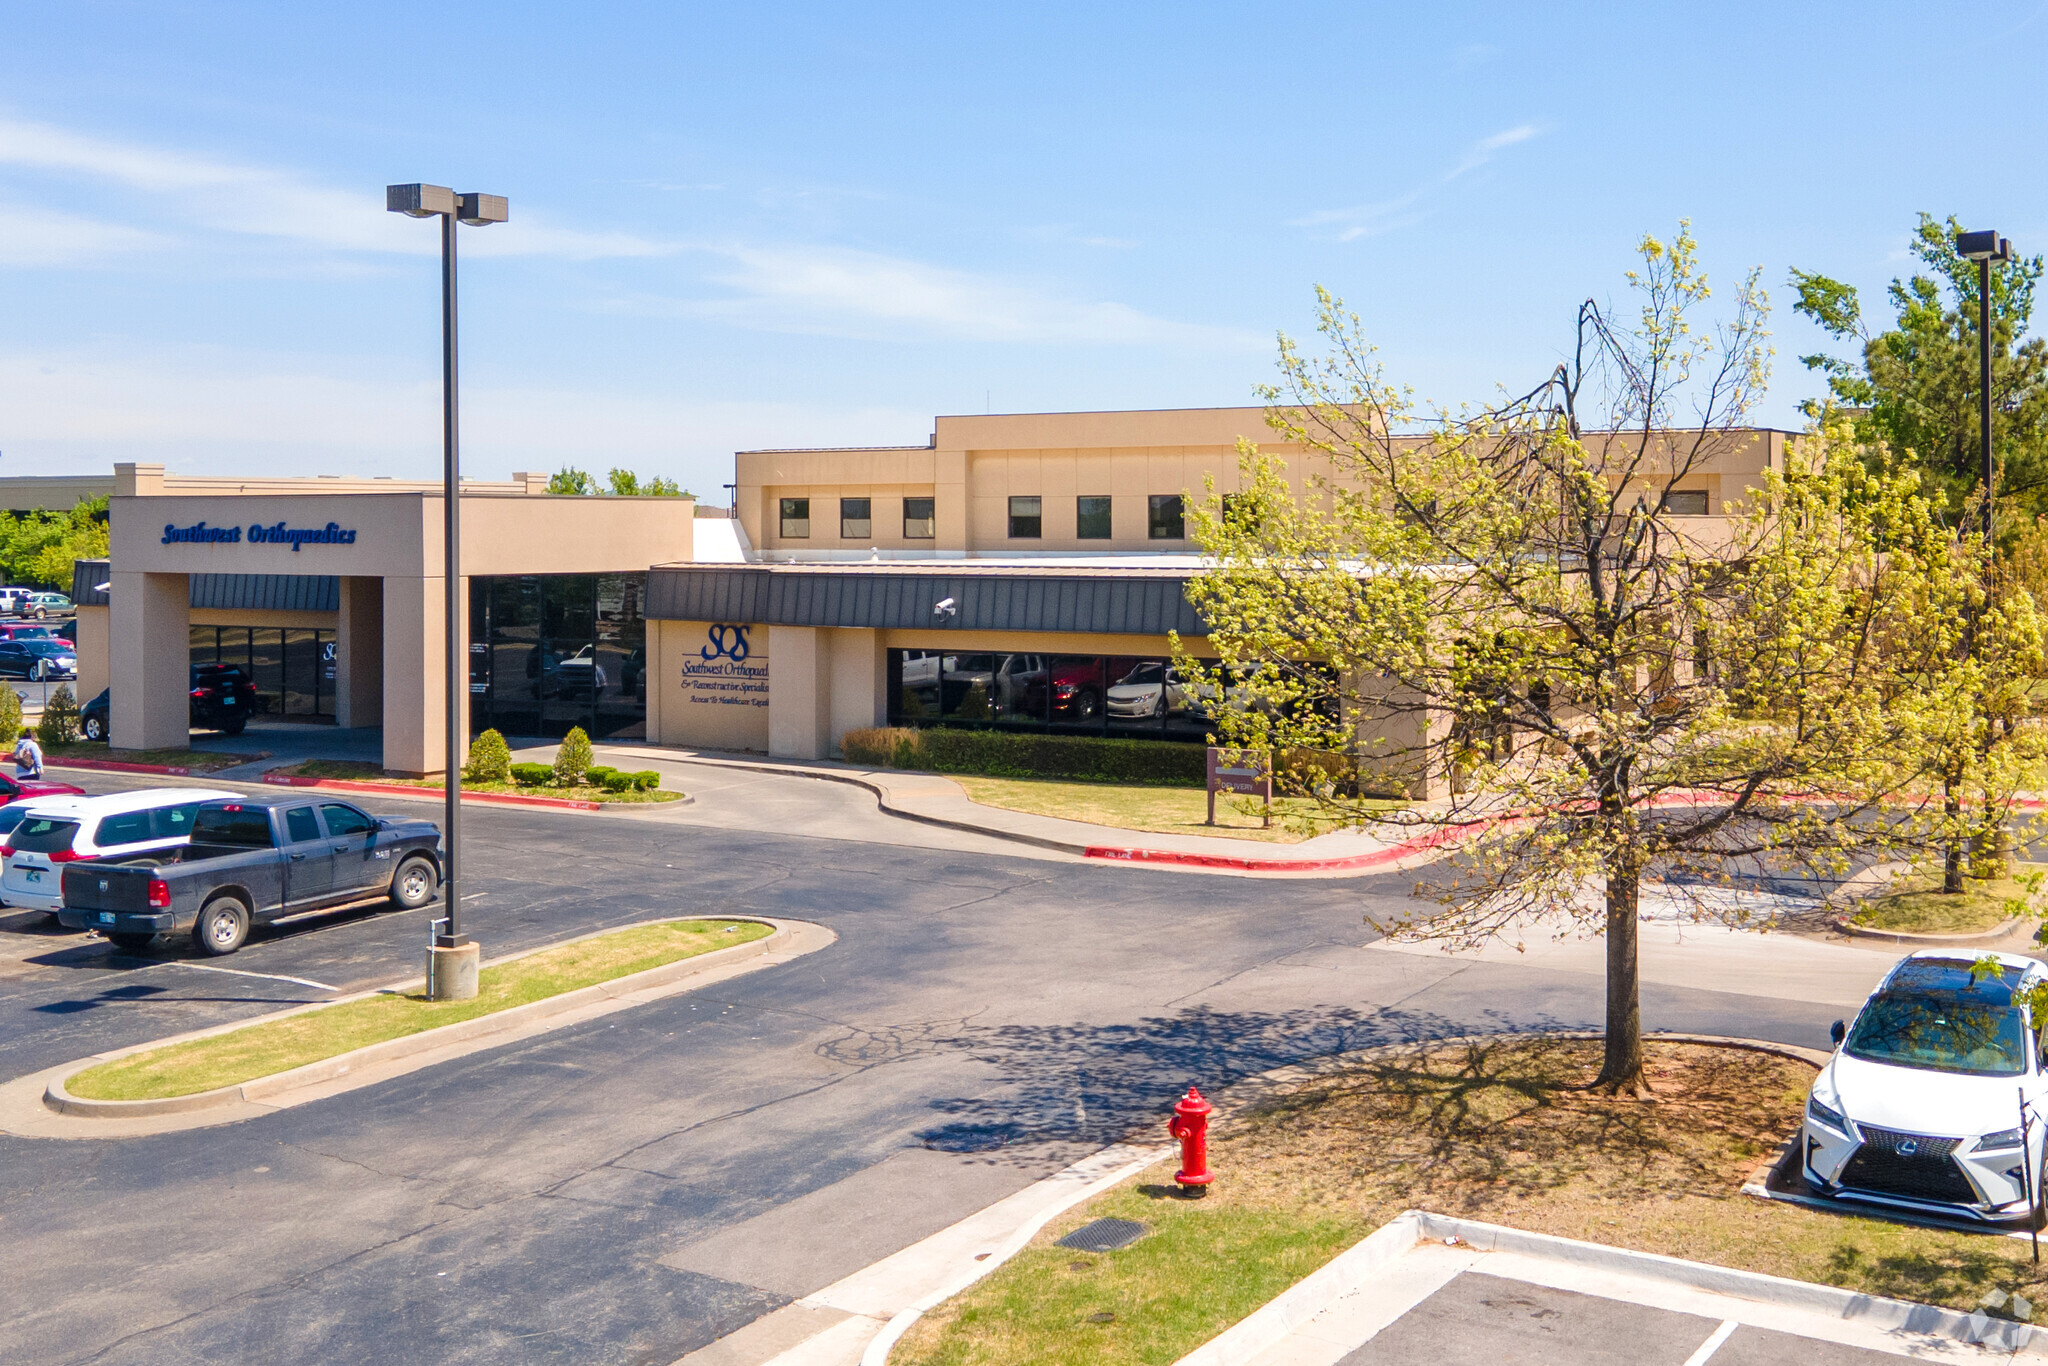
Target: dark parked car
x=223, y=699
x=252, y=860
x=38, y=659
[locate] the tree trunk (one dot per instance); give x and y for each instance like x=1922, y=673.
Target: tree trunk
x=1621, y=1072
x=1952, y=853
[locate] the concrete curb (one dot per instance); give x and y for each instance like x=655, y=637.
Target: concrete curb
x=1110, y=853
x=439, y=793
x=394, y=1057
x=118, y=766
x=1909, y=939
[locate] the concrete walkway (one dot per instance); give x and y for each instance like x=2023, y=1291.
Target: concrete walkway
x=936, y=801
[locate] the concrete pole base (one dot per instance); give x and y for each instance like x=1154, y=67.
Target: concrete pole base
x=451, y=973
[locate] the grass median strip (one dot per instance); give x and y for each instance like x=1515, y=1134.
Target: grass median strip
x=184, y=1069
x=354, y=771
x=1501, y=1131
x=1163, y=810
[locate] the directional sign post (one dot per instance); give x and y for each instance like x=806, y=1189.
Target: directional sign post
x=1247, y=772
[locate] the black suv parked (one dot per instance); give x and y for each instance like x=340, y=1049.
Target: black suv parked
x=223, y=699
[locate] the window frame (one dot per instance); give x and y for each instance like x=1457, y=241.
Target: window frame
x=793, y=512
x=1033, y=519
x=1705, y=497
x=930, y=519
x=865, y=521
x=1159, y=503
x=1081, y=515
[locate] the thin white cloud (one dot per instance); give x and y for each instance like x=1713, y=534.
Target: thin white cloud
x=225, y=196
x=210, y=410
x=43, y=237
x=1400, y=211
x=837, y=291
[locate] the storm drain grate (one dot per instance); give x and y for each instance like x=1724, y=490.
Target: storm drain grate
x=1104, y=1235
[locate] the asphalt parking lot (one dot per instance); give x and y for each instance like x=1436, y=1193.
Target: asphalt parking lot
x=584, y=1196
x=1483, y=1320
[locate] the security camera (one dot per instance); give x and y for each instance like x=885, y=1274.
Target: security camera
x=944, y=608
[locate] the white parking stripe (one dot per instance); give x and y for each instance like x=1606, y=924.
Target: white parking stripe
x=239, y=972
x=1713, y=1343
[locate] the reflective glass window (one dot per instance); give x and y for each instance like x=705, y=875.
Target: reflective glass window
x=1027, y=518
x=1164, y=518
x=300, y=826
x=918, y=518
x=854, y=522
x=1091, y=518
x=796, y=517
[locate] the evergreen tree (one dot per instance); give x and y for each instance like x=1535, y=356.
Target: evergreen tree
x=572, y=760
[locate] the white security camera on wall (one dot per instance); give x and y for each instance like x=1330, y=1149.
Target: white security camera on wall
x=944, y=608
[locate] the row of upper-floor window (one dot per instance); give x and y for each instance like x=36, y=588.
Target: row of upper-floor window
x=1165, y=518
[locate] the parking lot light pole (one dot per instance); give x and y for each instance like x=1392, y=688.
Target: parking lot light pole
x=1985, y=248
x=475, y=210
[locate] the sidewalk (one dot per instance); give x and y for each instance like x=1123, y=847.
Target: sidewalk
x=931, y=799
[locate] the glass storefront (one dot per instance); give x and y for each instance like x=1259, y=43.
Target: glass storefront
x=292, y=668
x=1071, y=694
x=551, y=651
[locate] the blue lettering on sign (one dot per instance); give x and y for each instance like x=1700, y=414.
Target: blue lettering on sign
x=727, y=642
x=293, y=536
x=200, y=531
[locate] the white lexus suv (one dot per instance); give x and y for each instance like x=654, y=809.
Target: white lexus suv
x=1932, y=1100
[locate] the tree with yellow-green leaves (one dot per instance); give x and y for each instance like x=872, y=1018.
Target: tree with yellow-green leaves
x=1493, y=601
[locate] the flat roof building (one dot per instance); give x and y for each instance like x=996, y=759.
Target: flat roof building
x=1018, y=571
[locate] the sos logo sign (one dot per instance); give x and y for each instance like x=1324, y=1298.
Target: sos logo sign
x=726, y=642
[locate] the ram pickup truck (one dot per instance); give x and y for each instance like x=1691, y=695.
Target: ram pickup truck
x=252, y=860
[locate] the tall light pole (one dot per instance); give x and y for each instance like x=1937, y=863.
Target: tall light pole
x=1984, y=248
x=476, y=210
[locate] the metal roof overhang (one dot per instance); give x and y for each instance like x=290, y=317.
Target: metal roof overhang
x=1147, y=603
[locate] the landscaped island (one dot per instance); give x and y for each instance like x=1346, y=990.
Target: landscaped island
x=261, y=1050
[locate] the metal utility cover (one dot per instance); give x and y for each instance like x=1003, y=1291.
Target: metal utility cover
x=1104, y=1235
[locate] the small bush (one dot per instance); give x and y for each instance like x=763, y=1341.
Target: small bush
x=646, y=779
x=572, y=760
x=10, y=714
x=1014, y=754
x=490, y=759
x=532, y=775
x=613, y=781
x=60, y=717
x=595, y=774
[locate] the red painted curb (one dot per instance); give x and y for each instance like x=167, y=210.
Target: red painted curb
x=1393, y=853
x=116, y=766
x=405, y=790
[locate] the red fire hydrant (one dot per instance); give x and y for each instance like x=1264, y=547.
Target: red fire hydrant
x=1190, y=1124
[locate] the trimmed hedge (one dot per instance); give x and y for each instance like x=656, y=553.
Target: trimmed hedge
x=1012, y=754
x=533, y=775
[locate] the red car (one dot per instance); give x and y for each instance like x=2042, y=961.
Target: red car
x=15, y=790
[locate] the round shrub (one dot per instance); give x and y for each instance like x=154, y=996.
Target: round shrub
x=614, y=781
x=572, y=760
x=533, y=775
x=646, y=779
x=490, y=759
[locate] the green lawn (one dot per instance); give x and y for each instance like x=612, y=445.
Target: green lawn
x=184, y=1069
x=355, y=771
x=1163, y=810
x=198, y=760
x=1501, y=1131
x=1921, y=907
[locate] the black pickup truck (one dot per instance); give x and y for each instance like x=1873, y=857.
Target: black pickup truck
x=250, y=860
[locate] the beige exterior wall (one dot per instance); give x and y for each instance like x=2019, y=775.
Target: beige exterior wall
x=392, y=573
x=975, y=465
x=712, y=703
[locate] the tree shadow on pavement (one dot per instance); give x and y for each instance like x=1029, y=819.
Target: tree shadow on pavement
x=1104, y=1084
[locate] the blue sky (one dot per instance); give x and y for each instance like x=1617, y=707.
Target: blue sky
x=747, y=226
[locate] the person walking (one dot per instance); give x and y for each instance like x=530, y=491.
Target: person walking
x=28, y=756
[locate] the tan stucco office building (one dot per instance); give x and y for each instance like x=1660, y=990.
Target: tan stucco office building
x=1017, y=571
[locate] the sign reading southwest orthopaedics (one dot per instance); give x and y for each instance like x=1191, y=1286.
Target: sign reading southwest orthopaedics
x=721, y=675
x=259, y=534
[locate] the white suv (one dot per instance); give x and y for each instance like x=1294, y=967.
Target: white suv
x=1932, y=1100
x=56, y=830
